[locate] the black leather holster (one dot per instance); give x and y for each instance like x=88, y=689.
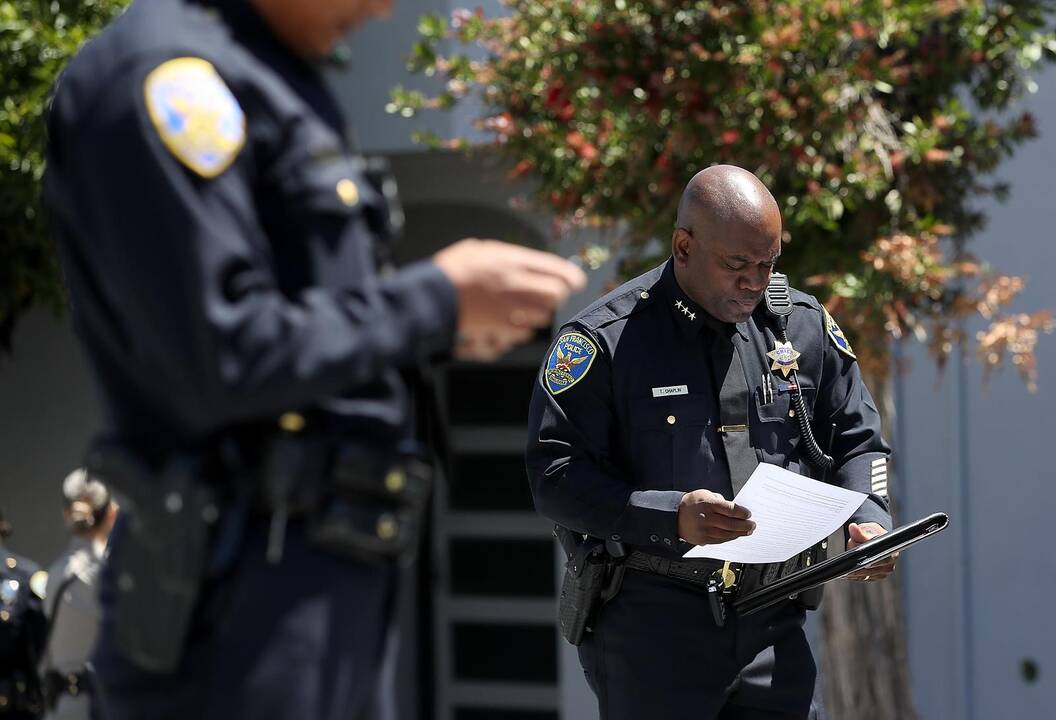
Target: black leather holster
x=161, y=549
x=593, y=575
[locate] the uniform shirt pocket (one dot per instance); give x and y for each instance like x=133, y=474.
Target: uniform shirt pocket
x=317, y=222
x=776, y=433
x=672, y=441
x=334, y=185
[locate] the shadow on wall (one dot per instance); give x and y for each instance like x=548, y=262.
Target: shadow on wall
x=431, y=226
x=49, y=413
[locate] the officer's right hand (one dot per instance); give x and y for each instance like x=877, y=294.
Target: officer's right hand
x=707, y=518
x=505, y=292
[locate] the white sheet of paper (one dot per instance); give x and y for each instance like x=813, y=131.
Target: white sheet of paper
x=791, y=513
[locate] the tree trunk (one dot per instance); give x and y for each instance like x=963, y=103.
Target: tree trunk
x=865, y=664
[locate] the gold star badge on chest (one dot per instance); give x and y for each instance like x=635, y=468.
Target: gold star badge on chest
x=785, y=357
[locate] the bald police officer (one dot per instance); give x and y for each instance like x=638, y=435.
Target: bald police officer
x=653, y=407
x=220, y=238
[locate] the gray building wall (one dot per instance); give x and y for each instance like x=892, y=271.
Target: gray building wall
x=980, y=595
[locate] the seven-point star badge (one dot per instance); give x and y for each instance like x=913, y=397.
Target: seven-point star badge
x=784, y=357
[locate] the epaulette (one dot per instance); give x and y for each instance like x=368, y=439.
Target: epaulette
x=617, y=305
x=832, y=328
x=801, y=298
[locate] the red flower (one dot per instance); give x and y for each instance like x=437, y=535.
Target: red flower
x=583, y=147
x=521, y=168
x=729, y=137
x=559, y=102
x=860, y=30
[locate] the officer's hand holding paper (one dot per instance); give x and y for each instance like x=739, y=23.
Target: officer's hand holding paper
x=791, y=513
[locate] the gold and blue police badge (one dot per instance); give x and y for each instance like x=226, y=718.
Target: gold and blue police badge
x=836, y=335
x=195, y=114
x=569, y=361
x=785, y=357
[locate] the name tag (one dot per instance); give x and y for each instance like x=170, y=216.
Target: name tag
x=671, y=390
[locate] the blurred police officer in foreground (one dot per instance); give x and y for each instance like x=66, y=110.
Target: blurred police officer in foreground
x=72, y=603
x=654, y=406
x=220, y=240
x=22, y=632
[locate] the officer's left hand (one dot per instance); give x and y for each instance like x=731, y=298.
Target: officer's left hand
x=881, y=568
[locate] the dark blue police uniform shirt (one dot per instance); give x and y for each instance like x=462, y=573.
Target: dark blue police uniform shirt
x=208, y=300
x=613, y=448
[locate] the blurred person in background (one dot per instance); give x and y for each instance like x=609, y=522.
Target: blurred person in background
x=22, y=632
x=259, y=359
x=72, y=603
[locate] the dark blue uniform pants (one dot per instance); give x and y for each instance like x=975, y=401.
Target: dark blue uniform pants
x=656, y=653
x=301, y=639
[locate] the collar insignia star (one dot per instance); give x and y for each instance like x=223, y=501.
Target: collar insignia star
x=785, y=358
x=679, y=305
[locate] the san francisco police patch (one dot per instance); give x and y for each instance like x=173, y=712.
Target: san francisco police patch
x=194, y=112
x=837, y=336
x=569, y=361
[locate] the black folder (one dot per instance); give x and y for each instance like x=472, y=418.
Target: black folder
x=836, y=567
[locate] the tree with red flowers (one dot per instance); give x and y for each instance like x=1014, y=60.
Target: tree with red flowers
x=875, y=123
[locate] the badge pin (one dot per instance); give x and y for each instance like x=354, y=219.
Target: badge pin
x=785, y=358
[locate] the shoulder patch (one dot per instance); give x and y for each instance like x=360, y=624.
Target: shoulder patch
x=195, y=114
x=836, y=335
x=569, y=361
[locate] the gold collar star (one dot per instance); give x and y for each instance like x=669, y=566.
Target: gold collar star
x=785, y=357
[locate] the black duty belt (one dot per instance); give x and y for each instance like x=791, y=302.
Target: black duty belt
x=18, y=694
x=57, y=684
x=702, y=571
x=695, y=572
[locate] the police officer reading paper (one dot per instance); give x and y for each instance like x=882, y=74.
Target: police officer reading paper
x=651, y=410
x=219, y=236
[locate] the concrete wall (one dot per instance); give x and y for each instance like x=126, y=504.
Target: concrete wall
x=47, y=414
x=377, y=57
x=980, y=596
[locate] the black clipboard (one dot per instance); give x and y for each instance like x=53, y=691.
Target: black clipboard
x=841, y=565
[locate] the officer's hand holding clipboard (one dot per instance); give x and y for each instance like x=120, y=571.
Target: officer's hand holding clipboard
x=854, y=560
x=861, y=534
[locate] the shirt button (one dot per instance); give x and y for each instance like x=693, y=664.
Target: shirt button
x=644, y=295
x=670, y=419
x=653, y=538
x=615, y=537
x=667, y=541
x=348, y=192
x=292, y=422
